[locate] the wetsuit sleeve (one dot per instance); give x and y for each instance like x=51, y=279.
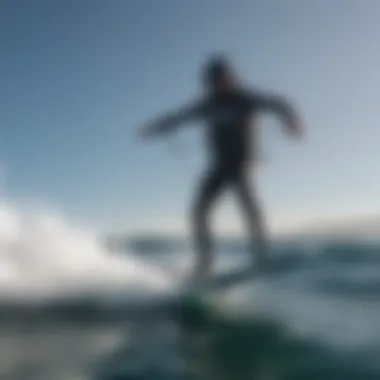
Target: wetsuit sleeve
x=170, y=121
x=281, y=107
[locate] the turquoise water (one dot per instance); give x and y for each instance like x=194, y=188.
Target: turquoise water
x=319, y=320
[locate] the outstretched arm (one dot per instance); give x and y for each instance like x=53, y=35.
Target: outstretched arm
x=170, y=121
x=285, y=110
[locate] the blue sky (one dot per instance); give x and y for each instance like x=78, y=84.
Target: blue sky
x=78, y=77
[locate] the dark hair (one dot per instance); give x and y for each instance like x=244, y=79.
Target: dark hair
x=215, y=68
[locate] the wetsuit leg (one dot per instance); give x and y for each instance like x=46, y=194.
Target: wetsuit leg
x=252, y=212
x=208, y=192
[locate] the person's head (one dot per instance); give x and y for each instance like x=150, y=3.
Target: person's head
x=218, y=75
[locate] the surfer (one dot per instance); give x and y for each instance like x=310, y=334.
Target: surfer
x=228, y=109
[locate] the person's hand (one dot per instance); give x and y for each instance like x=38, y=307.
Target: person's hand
x=144, y=133
x=298, y=129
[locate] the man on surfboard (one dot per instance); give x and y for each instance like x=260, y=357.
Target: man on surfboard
x=227, y=108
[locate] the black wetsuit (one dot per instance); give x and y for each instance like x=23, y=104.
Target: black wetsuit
x=228, y=122
x=232, y=142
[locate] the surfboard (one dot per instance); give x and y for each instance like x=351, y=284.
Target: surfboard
x=230, y=279
x=239, y=276
x=191, y=293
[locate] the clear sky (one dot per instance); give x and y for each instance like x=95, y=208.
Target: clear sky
x=78, y=77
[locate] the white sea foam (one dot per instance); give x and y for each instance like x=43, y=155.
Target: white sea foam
x=43, y=254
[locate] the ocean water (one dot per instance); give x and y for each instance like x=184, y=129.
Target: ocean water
x=318, y=318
